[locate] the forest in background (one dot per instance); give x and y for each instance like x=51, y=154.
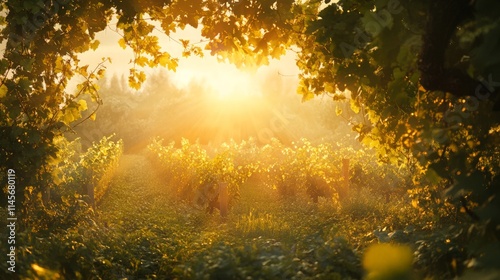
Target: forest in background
x=163, y=110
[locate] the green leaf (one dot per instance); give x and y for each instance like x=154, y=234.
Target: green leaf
x=4, y=64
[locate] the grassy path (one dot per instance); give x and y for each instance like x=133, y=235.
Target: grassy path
x=136, y=188
x=150, y=233
x=147, y=235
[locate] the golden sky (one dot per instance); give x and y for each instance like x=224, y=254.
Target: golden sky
x=225, y=78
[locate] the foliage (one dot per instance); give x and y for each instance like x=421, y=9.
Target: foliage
x=195, y=176
x=78, y=177
x=301, y=168
x=142, y=231
x=442, y=251
x=435, y=113
x=293, y=171
x=269, y=259
x=93, y=168
x=315, y=169
x=427, y=112
x=43, y=40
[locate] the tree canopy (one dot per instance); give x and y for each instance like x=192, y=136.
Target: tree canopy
x=425, y=74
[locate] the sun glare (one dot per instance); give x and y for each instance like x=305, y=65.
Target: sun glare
x=224, y=82
x=226, y=102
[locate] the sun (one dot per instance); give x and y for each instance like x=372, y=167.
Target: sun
x=230, y=104
x=224, y=81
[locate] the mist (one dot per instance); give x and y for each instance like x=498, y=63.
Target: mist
x=198, y=112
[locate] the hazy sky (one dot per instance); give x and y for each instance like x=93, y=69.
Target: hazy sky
x=224, y=77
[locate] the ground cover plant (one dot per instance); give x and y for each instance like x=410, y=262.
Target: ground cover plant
x=143, y=229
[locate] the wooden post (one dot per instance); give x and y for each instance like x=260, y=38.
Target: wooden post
x=90, y=187
x=223, y=199
x=345, y=176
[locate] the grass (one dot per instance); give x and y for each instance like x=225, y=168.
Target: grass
x=141, y=232
x=166, y=238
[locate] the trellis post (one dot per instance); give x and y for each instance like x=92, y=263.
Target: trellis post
x=90, y=187
x=223, y=199
x=345, y=176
